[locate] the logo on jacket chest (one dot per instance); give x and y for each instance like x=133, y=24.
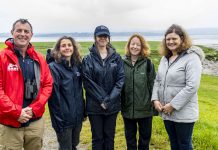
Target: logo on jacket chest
x=12, y=67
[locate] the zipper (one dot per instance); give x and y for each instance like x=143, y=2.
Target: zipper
x=169, y=65
x=133, y=92
x=165, y=85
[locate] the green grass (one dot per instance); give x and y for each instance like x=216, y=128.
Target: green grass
x=205, y=134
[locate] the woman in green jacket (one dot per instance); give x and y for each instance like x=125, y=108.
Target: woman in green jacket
x=137, y=109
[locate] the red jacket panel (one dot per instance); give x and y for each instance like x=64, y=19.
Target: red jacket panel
x=12, y=85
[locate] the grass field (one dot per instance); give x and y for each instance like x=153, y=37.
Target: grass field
x=205, y=136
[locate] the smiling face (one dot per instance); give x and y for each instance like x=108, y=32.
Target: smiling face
x=66, y=48
x=22, y=35
x=135, y=46
x=173, y=42
x=102, y=40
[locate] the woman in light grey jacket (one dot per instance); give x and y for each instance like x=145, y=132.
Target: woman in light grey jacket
x=176, y=84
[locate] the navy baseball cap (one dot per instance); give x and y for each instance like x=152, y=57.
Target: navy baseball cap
x=101, y=30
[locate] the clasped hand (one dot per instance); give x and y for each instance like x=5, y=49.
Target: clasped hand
x=26, y=115
x=166, y=109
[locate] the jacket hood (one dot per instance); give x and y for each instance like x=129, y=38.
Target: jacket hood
x=198, y=51
x=10, y=43
x=127, y=60
x=11, y=49
x=49, y=56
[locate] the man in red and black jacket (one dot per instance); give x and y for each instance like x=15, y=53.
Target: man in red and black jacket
x=25, y=86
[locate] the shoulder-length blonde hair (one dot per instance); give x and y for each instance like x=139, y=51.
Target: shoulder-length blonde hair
x=75, y=56
x=145, y=49
x=186, y=41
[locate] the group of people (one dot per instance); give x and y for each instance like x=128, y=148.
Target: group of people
x=111, y=83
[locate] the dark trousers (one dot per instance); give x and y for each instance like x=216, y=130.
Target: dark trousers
x=144, y=126
x=69, y=138
x=180, y=135
x=103, y=131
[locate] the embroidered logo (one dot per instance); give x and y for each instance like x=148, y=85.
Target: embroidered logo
x=113, y=64
x=12, y=67
x=103, y=28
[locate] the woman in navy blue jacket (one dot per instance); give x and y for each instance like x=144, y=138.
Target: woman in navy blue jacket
x=103, y=75
x=66, y=103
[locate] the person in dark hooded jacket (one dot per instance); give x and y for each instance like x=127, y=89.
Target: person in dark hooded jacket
x=103, y=79
x=66, y=105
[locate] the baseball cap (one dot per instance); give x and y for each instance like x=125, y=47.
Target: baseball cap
x=101, y=30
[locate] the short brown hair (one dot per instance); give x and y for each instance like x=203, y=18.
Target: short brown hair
x=22, y=21
x=186, y=41
x=145, y=51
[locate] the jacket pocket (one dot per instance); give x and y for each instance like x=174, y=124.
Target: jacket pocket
x=142, y=100
x=126, y=101
x=143, y=105
x=2, y=147
x=160, y=93
x=2, y=131
x=173, y=90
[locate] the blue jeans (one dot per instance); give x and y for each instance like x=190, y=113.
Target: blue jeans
x=103, y=131
x=180, y=135
x=69, y=138
x=144, y=125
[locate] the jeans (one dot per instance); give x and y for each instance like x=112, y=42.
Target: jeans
x=180, y=135
x=69, y=138
x=103, y=131
x=144, y=126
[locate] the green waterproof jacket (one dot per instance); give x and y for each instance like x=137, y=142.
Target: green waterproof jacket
x=137, y=90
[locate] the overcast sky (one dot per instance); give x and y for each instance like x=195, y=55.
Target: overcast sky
x=48, y=16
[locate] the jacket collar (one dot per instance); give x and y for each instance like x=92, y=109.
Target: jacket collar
x=93, y=50
x=11, y=49
x=193, y=49
x=10, y=43
x=65, y=63
x=139, y=61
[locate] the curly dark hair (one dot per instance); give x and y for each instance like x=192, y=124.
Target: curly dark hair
x=75, y=56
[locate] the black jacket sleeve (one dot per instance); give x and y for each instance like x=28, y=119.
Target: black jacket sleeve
x=56, y=91
x=151, y=76
x=54, y=100
x=90, y=86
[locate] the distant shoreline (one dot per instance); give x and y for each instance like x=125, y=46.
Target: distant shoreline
x=204, y=40
x=210, y=40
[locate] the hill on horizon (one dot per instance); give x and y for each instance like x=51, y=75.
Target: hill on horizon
x=194, y=31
